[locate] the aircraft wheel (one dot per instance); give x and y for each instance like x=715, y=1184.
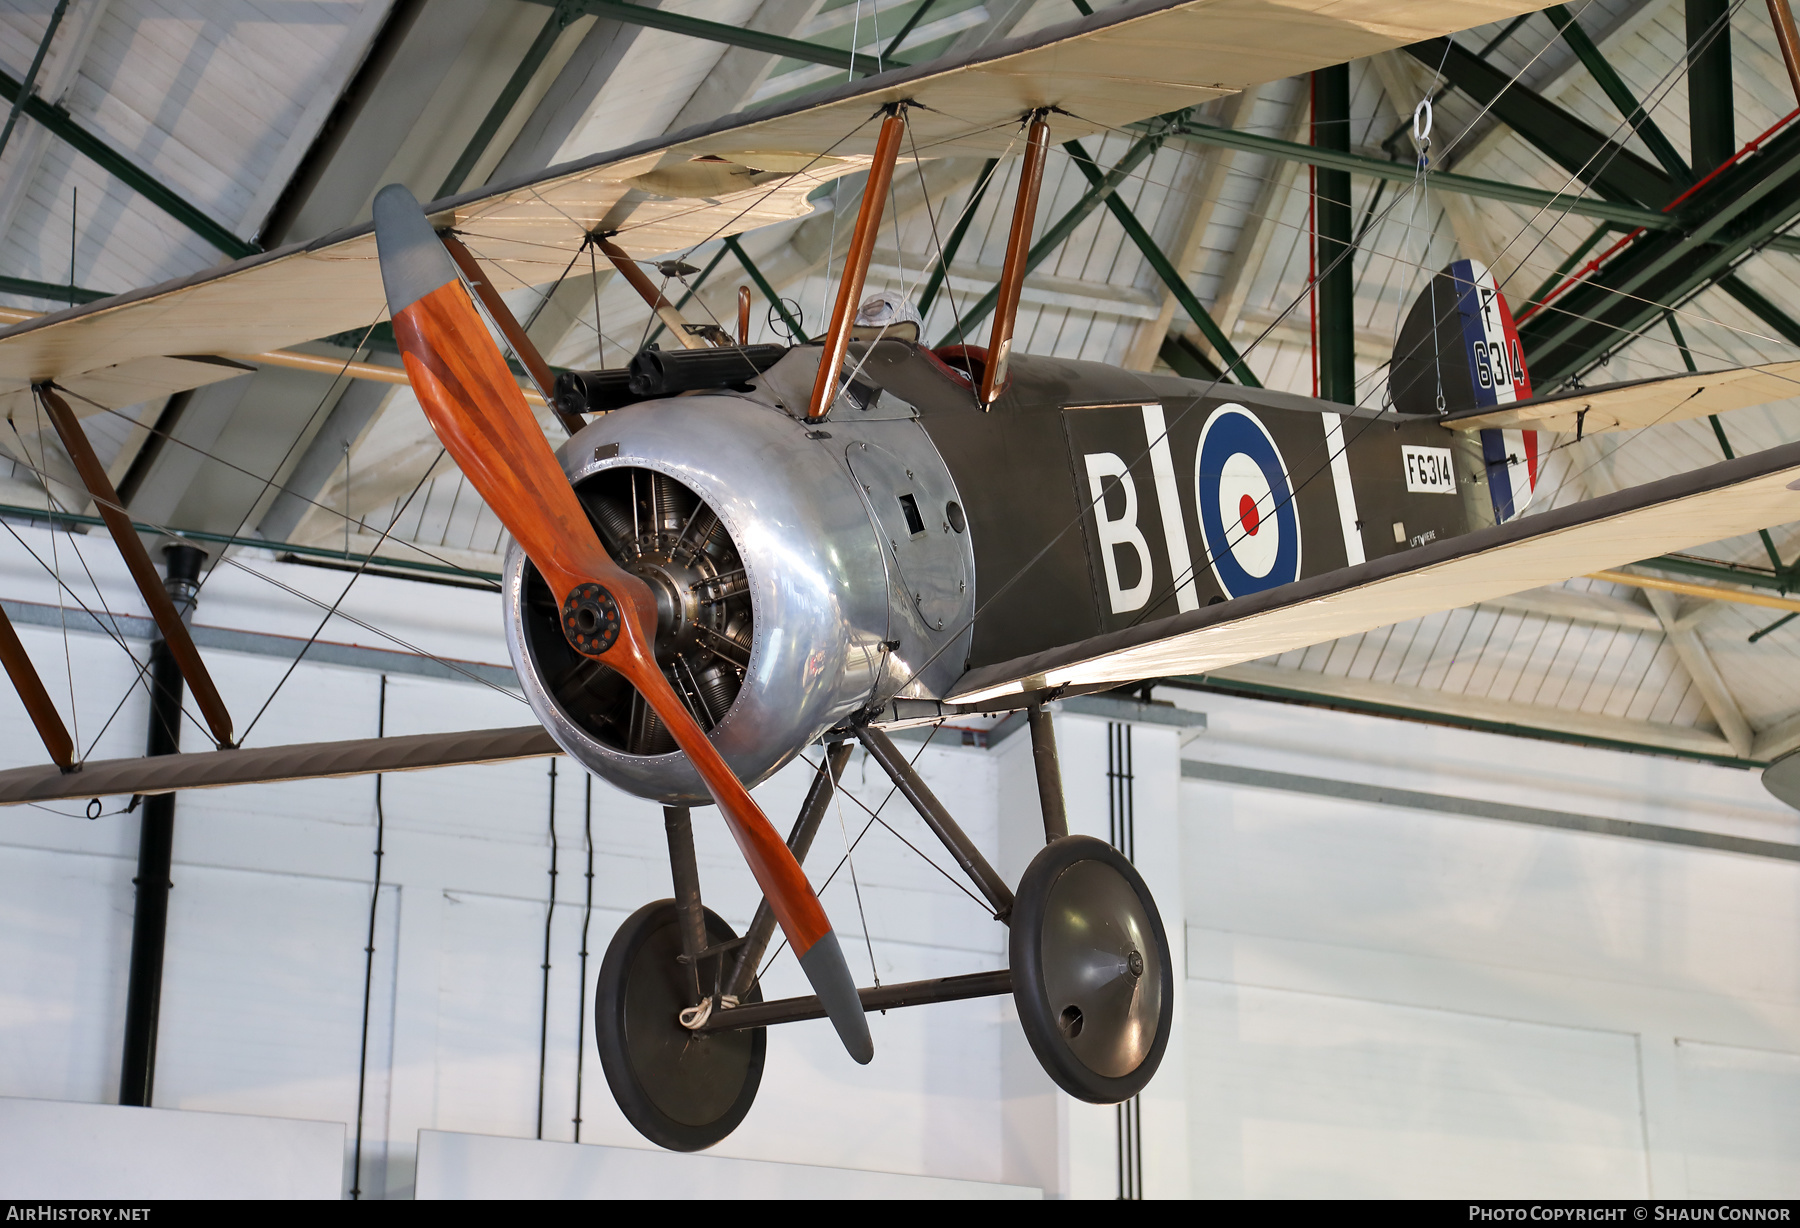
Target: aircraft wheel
x=1091, y=971
x=682, y=1090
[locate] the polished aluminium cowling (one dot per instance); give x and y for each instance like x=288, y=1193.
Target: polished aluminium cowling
x=859, y=587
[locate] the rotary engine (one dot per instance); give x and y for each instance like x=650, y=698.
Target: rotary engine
x=801, y=576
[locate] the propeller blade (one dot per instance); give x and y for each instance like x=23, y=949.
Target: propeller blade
x=477, y=410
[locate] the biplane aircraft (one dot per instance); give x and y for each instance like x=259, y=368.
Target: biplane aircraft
x=741, y=551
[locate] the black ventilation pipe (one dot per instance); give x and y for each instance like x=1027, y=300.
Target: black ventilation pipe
x=156, y=846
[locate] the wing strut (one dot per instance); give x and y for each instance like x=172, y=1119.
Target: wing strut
x=137, y=559
x=509, y=327
x=36, y=699
x=856, y=261
x=1018, y=245
x=664, y=309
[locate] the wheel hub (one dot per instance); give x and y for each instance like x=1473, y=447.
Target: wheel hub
x=1108, y=997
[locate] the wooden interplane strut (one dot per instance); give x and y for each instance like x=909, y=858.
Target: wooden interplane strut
x=1783, y=18
x=664, y=309
x=1018, y=247
x=856, y=263
x=510, y=328
x=36, y=699
x=162, y=608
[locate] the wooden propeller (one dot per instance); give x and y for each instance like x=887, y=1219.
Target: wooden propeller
x=477, y=410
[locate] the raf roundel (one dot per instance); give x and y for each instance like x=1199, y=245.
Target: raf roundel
x=1246, y=504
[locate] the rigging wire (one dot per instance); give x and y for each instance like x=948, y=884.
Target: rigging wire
x=231, y=560
x=108, y=627
x=875, y=817
x=317, y=631
x=311, y=502
x=250, y=509
x=1194, y=403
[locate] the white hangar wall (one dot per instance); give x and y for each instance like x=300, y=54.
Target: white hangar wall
x=1394, y=1001
x=1376, y=999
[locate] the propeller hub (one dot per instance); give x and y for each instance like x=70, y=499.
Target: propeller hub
x=675, y=585
x=590, y=618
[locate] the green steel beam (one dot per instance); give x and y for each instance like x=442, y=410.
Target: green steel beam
x=762, y=283
x=1712, y=130
x=1731, y=573
x=1299, y=694
x=1620, y=212
x=1728, y=219
x=1574, y=258
x=1102, y=189
x=734, y=36
x=935, y=282
x=1188, y=360
x=62, y=125
x=1609, y=80
x=254, y=543
x=1579, y=148
x=558, y=21
x=1336, y=285
x=1762, y=308
x=50, y=290
x=1687, y=359
x=918, y=15
x=1166, y=270
x=37, y=62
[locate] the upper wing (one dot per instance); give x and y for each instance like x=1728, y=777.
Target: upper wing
x=1647, y=402
x=744, y=171
x=1723, y=500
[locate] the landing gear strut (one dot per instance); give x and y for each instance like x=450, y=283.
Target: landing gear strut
x=682, y=1028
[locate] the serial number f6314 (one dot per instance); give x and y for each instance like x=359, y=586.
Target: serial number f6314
x=1428, y=471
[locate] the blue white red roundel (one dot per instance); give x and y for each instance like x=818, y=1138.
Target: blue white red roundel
x=1246, y=504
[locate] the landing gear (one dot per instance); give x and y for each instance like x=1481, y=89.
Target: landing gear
x=683, y=1089
x=1090, y=969
x=682, y=1028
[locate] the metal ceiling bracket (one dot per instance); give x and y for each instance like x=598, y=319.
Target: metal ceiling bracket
x=61, y=124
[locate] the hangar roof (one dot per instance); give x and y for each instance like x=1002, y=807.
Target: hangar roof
x=272, y=122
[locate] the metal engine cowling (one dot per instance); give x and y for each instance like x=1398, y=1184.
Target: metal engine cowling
x=781, y=610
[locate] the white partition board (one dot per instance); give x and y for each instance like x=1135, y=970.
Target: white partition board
x=483, y=1166
x=51, y=1149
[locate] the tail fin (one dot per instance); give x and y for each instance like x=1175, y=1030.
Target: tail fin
x=1459, y=349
